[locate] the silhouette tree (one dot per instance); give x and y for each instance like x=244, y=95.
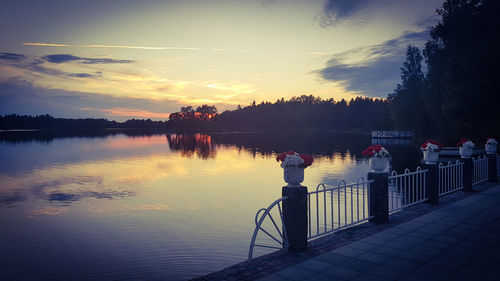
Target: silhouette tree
x=407, y=106
x=463, y=68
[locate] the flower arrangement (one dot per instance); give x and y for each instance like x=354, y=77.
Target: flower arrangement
x=465, y=143
x=293, y=159
x=431, y=146
x=375, y=151
x=491, y=141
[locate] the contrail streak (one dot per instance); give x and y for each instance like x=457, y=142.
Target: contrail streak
x=109, y=46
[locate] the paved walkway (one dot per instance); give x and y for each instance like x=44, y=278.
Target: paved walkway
x=460, y=241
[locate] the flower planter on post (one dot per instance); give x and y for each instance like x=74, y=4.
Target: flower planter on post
x=379, y=187
x=294, y=176
x=465, y=147
x=295, y=206
x=378, y=164
x=431, y=150
x=491, y=153
x=431, y=157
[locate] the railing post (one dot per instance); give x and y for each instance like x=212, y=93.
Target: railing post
x=432, y=183
x=379, y=197
x=468, y=173
x=295, y=216
x=492, y=167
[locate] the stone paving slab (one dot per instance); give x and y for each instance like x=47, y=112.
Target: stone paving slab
x=458, y=239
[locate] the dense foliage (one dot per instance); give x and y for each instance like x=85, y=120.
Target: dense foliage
x=14, y=121
x=306, y=112
x=458, y=95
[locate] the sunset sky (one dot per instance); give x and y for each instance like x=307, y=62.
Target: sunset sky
x=127, y=59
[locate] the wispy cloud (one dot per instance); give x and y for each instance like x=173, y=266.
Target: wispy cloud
x=36, y=64
x=135, y=47
x=372, y=70
x=62, y=58
x=110, y=46
x=335, y=10
x=12, y=57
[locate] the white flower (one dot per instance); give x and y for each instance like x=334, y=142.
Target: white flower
x=468, y=144
x=382, y=153
x=293, y=160
x=492, y=141
x=431, y=147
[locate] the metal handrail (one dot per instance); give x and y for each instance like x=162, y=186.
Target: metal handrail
x=325, y=220
x=409, y=186
x=480, y=170
x=451, y=177
x=258, y=226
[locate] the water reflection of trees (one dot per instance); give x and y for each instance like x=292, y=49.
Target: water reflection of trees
x=191, y=144
x=47, y=136
x=328, y=145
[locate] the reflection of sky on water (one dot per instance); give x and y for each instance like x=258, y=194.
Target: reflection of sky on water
x=158, y=206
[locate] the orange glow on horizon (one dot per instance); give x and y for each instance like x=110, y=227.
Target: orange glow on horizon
x=132, y=112
x=122, y=143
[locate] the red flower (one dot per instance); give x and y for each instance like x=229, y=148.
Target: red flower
x=371, y=150
x=461, y=142
x=307, y=159
x=281, y=157
x=432, y=142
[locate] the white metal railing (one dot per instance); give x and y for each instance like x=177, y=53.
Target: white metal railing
x=480, y=170
x=406, y=189
x=332, y=209
x=451, y=177
x=275, y=233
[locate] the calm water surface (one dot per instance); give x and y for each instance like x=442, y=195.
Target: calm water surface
x=146, y=207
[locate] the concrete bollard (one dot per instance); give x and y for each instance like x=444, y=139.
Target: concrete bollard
x=295, y=217
x=492, y=167
x=468, y=173
x=379, y=197
x=432, y=183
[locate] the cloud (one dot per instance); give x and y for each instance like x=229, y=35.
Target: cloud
x=336, y=10
x=12, y=57
x=62, y=58
x=21, y=97
x=111, y=46
x=37, y=64
x=82, y=75
x=372, y=70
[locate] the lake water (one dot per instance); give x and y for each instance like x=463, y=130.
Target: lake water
x=151, y=207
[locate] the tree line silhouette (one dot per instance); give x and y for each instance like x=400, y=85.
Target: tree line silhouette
x=15, y=121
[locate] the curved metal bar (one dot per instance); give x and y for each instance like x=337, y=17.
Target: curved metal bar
x=319, y=185
x=259, y=224
x=257, y=215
